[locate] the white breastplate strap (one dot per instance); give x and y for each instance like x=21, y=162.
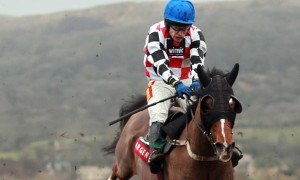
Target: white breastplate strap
x=190, y=153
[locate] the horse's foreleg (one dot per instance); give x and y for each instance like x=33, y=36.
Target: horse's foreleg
x=116, y=174
x=113, y=176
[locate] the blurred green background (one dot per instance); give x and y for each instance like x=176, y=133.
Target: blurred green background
x=64, y=76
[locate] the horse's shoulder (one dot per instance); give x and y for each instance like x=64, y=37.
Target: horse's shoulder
x=137, y=124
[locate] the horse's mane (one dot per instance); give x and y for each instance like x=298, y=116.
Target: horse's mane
x=137, y=101
x=134, y=103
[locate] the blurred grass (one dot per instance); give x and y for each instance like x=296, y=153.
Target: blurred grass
x=11, y=155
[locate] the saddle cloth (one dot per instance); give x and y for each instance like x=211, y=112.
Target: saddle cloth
x=141, y=148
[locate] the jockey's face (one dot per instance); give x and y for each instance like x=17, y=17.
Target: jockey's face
x=178, y=32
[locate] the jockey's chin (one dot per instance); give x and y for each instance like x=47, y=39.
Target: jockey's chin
x=178, y=39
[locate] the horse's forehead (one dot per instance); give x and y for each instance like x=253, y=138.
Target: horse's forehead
x=219, y=81
x=219, y=86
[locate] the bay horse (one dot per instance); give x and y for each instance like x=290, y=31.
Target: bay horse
x=204, y=147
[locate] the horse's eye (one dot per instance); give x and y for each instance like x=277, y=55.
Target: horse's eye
x=207, y=104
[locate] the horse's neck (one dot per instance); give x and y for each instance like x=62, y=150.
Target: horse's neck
x=196, y=137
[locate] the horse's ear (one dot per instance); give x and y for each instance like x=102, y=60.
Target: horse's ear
x=233, y=74
x=203, y=77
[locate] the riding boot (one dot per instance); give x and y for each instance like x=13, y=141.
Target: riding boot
x=156, y=157
x=237, y=154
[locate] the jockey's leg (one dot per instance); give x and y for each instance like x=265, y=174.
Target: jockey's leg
x=156, y=157
x=157, y=90
x=237, y=154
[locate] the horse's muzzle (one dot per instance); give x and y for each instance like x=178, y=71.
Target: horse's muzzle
x=224, y=152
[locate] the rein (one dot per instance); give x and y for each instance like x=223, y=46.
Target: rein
x=186, y=143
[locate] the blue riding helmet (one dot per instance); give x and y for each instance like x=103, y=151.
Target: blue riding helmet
x=180, y=11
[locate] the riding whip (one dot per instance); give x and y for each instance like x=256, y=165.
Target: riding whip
x=140, y=109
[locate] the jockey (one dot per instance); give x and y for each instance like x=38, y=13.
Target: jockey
x=173, y=50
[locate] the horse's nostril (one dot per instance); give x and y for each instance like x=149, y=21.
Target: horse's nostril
x=220, y=146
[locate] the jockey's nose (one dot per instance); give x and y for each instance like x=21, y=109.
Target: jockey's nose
x=181, y=33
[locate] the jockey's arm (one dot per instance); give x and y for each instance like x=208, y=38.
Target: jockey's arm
x=159, y=58
x=198, y=51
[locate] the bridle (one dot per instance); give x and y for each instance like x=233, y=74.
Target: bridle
x=187, y=144
x=217, y=87
x=221, y=110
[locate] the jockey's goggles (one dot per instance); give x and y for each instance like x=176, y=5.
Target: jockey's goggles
x=180, y=28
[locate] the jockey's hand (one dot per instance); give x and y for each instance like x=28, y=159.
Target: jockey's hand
x=195, y=86
x=182, y=89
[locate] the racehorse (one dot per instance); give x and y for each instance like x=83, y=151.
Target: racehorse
x=204, y=147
